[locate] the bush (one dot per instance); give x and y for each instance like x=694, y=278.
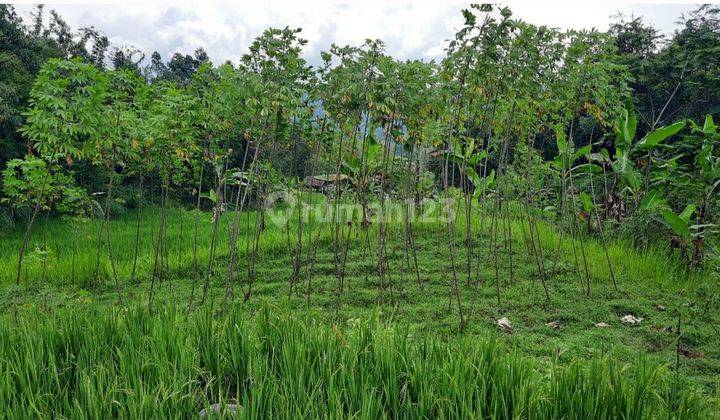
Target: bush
x=641, y=230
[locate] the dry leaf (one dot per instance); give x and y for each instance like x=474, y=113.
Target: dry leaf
x=691, y=353
x=631, y=320
x=504, y=324
x=554, y=324
x=601, y=325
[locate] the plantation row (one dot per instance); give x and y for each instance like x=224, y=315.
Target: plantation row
x=468, y=128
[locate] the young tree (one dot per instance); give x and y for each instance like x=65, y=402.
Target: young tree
x=64, y=119
x=32, y=183
x=111, y=150
x=172, y=136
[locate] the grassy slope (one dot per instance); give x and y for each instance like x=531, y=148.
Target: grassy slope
x=646, y=279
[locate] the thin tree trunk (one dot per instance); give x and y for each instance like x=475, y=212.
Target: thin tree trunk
x=582, y=243
x=109, y=244
x=502, y=171
x=236, y=224
x=157, y=270
x=213, y=242
x=137, y=229
x=603, y=240
x=197, y=216
x=104, y=221
x=26, y=237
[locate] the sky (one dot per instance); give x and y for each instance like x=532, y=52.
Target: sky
x=411, y=30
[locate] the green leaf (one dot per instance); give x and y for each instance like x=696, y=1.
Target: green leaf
x=632, y=178
x=588, y=168
x=473, y=176
x=653, y=138
x=678, y=225
x=653, y=200
x=482, y=184
x=587, y=201
x=469, y=148
x=688, y=212
x=219, y=167
x=582, y=152
x=630, y=122
x=469, y=17
x=622, y=163
x=709, y=126
x=491, y=178
x=560, y=139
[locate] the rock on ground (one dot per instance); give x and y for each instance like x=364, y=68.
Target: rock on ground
x=219, y=409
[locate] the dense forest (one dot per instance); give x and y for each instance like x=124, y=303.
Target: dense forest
x=534, y=182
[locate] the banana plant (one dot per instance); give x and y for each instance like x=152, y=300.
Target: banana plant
x=692, y=171
x=679, y=223
x=363, y=170
x=467, y=159
x=628, y=151
x=481, y=184
x=687, y=236
x=465, y=155
x=567, y=155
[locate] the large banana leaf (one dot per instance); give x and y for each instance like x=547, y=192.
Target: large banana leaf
x=654, y=138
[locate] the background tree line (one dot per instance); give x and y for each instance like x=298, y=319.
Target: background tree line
x=26, y=46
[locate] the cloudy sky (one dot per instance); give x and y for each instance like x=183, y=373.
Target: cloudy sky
x=410, y=29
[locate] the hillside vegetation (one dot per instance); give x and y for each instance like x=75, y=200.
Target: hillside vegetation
x=527, y=228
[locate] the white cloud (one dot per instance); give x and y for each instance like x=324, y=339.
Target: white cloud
x=409, y=29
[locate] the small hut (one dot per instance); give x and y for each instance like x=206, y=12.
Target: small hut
x=323, y=183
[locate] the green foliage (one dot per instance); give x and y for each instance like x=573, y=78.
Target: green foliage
x=671, y=74
x=66, y=108
x=171, y=132
x=32, y=181
x=679, y=223
x=23, y=50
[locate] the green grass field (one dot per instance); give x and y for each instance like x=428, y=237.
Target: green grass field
x=279, y=353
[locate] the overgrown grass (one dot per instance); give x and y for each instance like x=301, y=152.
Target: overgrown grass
x=129, y=364
x=653, y=285
x=64, y=251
